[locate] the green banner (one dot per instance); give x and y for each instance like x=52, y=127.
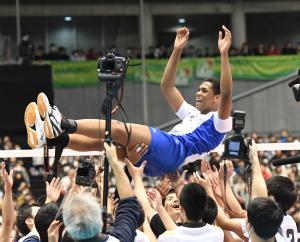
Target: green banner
x=264, y=68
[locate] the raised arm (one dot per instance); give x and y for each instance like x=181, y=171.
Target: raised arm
x=234, y=208
x=122, y=183
x=226, y=77
x=139, y=189
x=259, y=188
x=168, y=88
x=7, y=206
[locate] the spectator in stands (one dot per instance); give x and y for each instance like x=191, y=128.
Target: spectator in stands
x=245, y=50
x=26, y=49
x=298, y=48
x=25, y=223
x=62, y=53
x=91, y=54
x=272, y=50
x=82, y=214
x=260, y=50
x=53, y=53
x=40, y=54
x=288, y=49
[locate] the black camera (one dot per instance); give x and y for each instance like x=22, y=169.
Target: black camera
x=111, y=67
x=295, y=85
x=236, y=147
x=86, y=174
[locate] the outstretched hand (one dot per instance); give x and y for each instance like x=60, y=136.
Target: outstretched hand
x=133, y=170
x=111, y=153
x=8, y=179
x=224, y=43
x=182, y=38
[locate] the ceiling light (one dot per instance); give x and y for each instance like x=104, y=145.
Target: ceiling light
x=68, y=18
x=181, y=20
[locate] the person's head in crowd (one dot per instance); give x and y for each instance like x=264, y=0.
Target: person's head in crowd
x=25, y=218
x=82, y=217
x=264, y=218
x=193, y=200
x=208, y=96
x=211, y=211
x=283, y=191
x=171, y=204
x=44, y=218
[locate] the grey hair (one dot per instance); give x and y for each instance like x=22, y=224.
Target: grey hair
x=82, y=216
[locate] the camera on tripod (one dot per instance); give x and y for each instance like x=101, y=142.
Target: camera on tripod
x=295, y=85
x=236, y=147
x=86, y=174
x=111, y=67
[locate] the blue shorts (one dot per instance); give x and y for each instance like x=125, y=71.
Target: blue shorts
x=166, y=152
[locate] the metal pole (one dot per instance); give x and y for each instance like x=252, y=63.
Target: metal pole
x=143, y=55
x=18, y=23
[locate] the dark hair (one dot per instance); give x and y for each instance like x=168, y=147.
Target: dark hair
x=215, y=85
x=164, y=198
x=283, y=190
x=141, y=218
x=210, y=212
x=193, y=200
x=67, y=237
x=265, y=216
x=23, y=213
x=44, y=218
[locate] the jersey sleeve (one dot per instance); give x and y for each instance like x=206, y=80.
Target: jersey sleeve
x=186, y=110
x=222, y=125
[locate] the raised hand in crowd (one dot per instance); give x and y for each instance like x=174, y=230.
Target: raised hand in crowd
x=259, y=188
x=112, y=204
x=178, y=181
x=133, y=170
x=53, y=189
x=204, y=182
x=53, y=231
x=213, y=176
x=7, y=205
x=156, y=203
x=164, y=186
x=122, y=182
x=231, y=202
x=137, y=152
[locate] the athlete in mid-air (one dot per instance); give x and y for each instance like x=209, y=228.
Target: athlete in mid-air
x=202, y=128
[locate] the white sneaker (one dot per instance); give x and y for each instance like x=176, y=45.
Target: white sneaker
x=52, y=117
x=34, y=126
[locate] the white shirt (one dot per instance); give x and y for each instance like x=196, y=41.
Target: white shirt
x=289, y=229
x=207, y=233
x=191, y=119
x=141, y=237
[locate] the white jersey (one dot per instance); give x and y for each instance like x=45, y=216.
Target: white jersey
x=141, y=237
x=207, y=233
x=289, y=229
x=192, y=118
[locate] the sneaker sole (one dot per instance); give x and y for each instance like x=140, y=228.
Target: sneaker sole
x=43, y=107
x=30, y=117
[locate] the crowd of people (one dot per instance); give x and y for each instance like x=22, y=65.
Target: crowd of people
x=56, y=52
x=196, y=198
